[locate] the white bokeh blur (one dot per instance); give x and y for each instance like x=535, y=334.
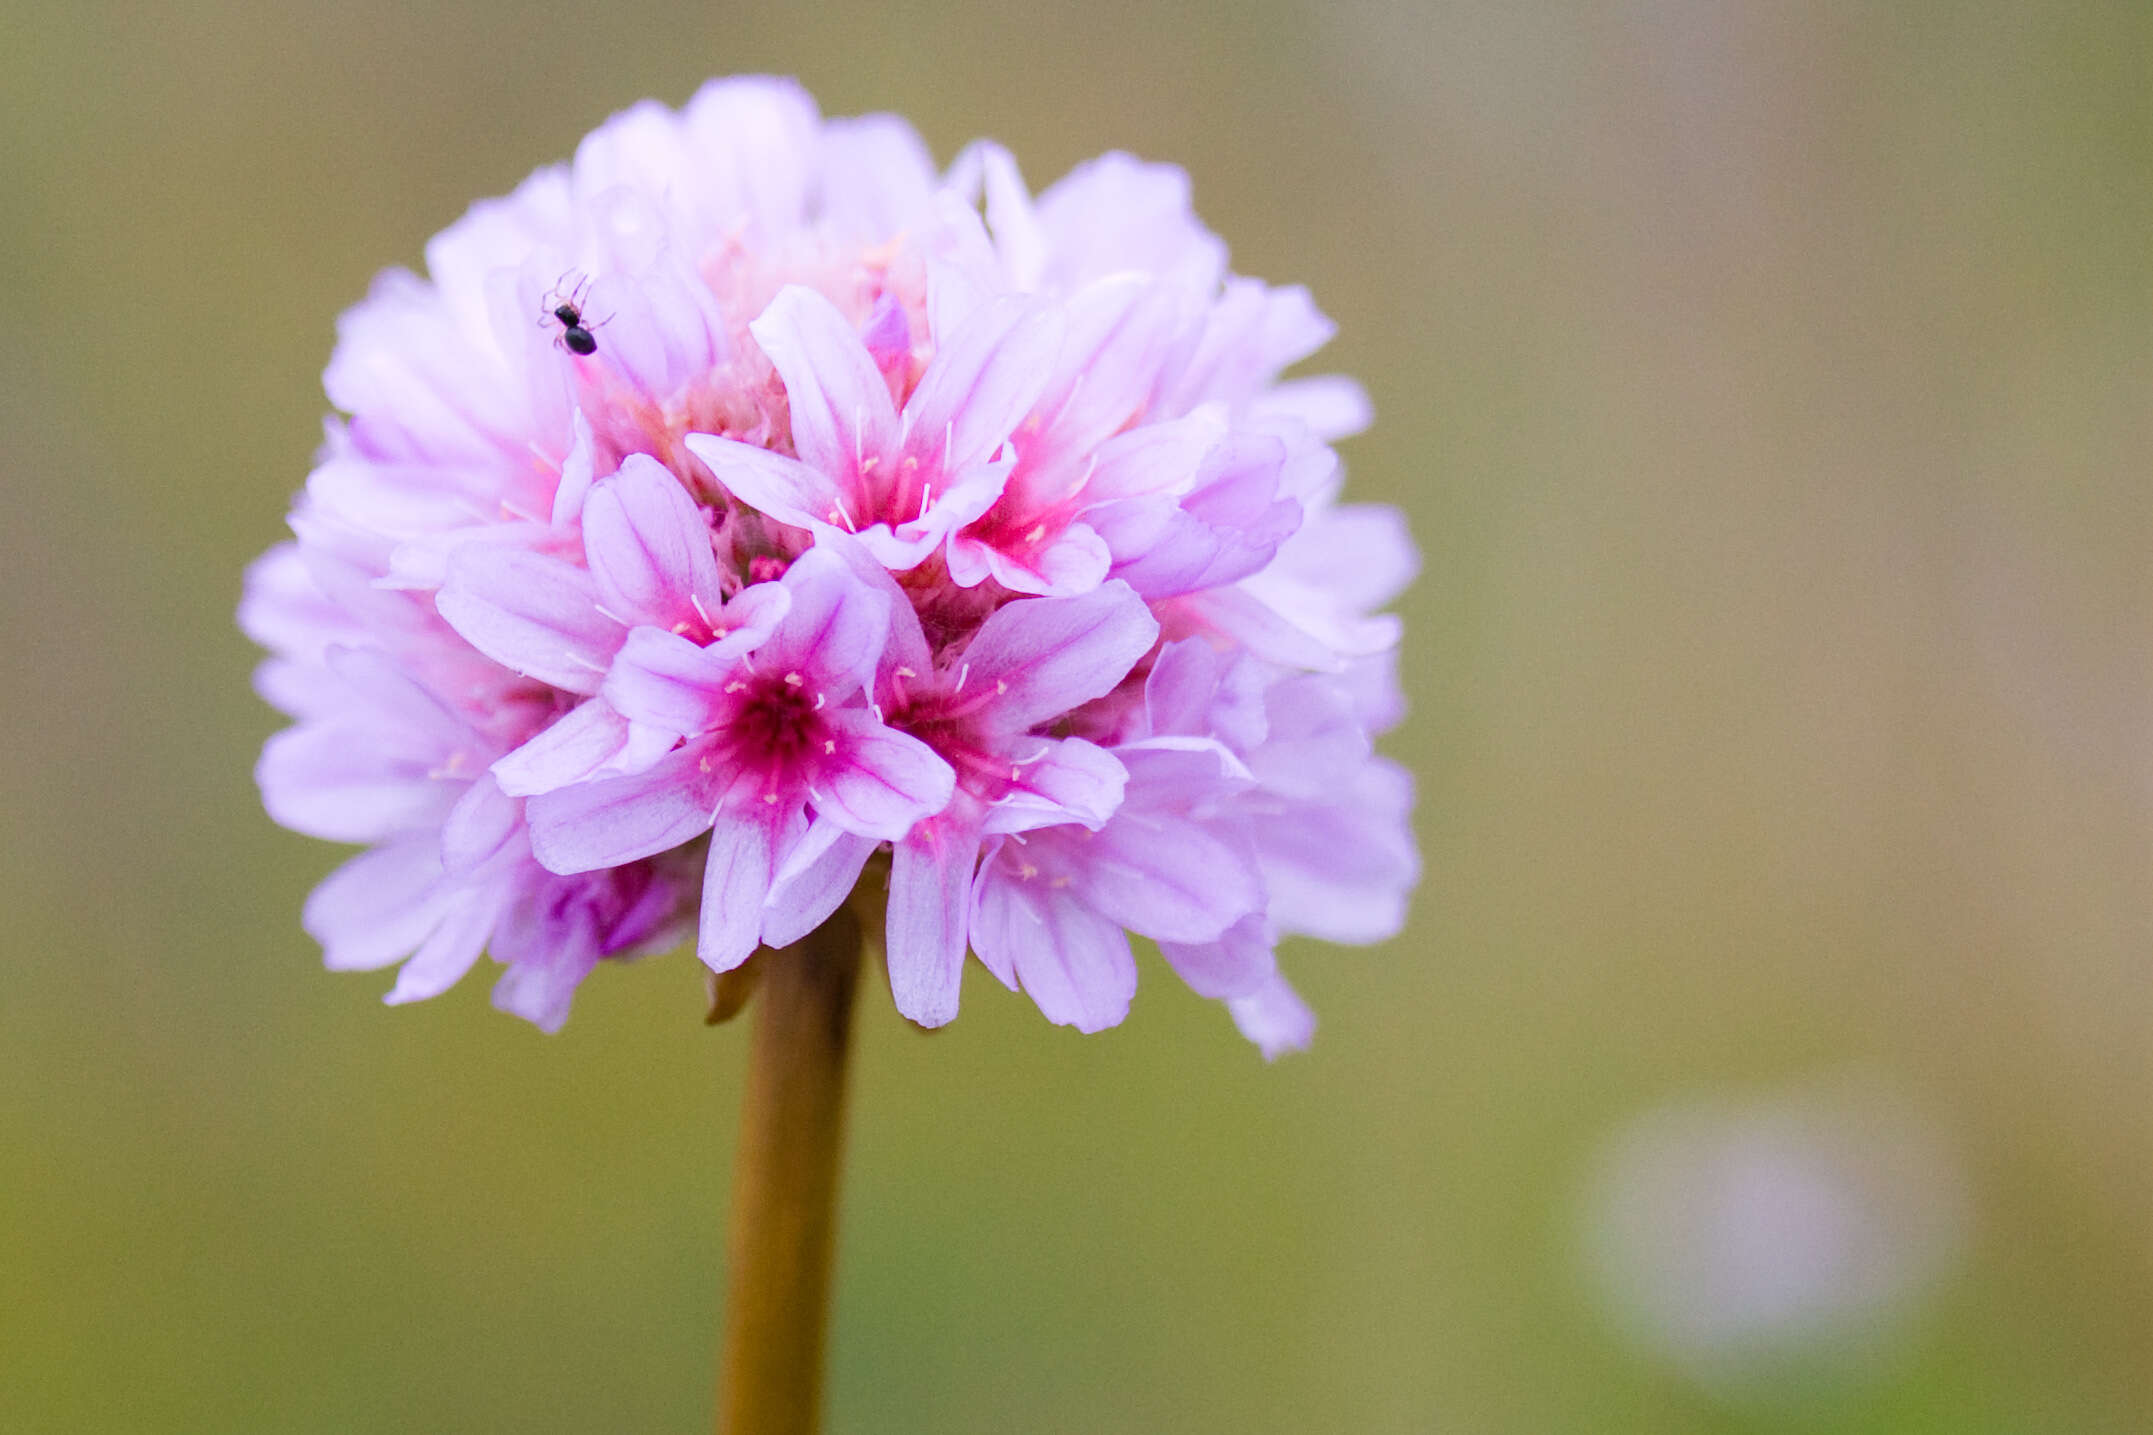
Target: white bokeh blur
x=1743, y=1237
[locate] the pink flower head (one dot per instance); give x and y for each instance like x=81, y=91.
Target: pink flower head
x=745, y=498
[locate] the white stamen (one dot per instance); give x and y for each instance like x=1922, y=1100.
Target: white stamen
x=701, y=611
x=793, y=680
x=963, y=672
x=829, y=747
x=906, y=673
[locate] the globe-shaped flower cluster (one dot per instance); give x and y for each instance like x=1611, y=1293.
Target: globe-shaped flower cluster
x=746, y=498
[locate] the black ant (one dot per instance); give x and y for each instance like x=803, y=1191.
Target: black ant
x=567, y=309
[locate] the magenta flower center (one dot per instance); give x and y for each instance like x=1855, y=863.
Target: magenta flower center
x=778, y=723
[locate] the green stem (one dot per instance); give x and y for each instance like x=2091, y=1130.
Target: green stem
x=785, y=1174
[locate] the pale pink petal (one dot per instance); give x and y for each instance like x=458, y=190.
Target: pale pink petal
x=541, y=993
x=420, y=563
x=736, y=882
x=785, y=488
x=752, y=616
x=1197, y=689
x=930, y=894
x=961, y=275
x=832, y=633
x=754, y=142
x=1251, y=333
x=1331, y=405
x=1275, y=1018
x=877, y=178
x=483, y=821
x=1314, y=743
x=1161, y=867
x=1153, y=459
x=1074, y=963
x=607, y=823
x=534, y=614
x=841, y=409
x=1167, y=878
x=649, y=548
x=906, y=645
x=1226, y=528
x=577, y=472
x=666, y=682
x=981, y=383
x=663, y=329
x=395, y=703
x=1344, y=869
x=592, y=740
x=1073, y=562
x=808, y=891
x=875, y=780
x=904, y=548
x=1119, y=328
x=971, y=493
x=1235, y=965
x=1360, y=553
x=286, y=612
x=446, y=954
x=887, y=333
x=1057, y=780
x=1306, y=640
x=1023, y=246
x=1117, y=212
x=1040, y=657
x=428, y=389
x=377, y=907
x=339, y=782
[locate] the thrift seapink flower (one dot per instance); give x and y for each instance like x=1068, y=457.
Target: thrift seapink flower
x=746, y=498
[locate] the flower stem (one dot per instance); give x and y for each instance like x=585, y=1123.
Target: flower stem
x=784, y=1213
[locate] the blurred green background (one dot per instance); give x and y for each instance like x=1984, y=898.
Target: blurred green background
x=1769, y=388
